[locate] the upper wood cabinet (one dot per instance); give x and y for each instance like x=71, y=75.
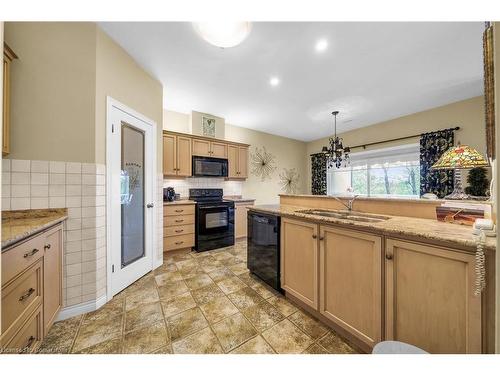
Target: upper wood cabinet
x=179, y=148
x=203, y=147
x=8, y=57
x=350, y=287
x=238, y=161
x=299, y=260
x=430, y=299
x=176, y=155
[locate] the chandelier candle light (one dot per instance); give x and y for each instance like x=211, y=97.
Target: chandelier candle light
x=336, y=154
x=458, y=158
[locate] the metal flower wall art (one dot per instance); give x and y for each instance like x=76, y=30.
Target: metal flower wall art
x=289, y=180
x=263, y=163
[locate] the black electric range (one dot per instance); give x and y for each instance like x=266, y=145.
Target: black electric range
x=214, y=217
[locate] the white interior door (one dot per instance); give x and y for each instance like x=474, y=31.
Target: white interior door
x=131, y=196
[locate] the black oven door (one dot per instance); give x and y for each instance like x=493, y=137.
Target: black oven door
x=214, y=226
x=209, y=167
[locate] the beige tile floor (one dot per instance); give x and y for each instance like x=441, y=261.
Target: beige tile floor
x=196, y=303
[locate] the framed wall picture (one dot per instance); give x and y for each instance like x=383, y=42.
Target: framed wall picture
x=208, y=126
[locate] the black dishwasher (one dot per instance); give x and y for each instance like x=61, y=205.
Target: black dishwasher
x=263, y=247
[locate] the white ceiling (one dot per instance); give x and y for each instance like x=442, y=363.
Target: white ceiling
x=371, y=72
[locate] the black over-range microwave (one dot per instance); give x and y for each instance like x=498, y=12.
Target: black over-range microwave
x=209, y=167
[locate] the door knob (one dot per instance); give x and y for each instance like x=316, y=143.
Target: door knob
x=150, y=205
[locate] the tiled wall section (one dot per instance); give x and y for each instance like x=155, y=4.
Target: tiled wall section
x=182, y=186
x=33, y=184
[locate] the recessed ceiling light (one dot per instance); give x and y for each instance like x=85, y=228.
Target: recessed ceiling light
x=223, y=34
x=321, y=45
x=274, y=81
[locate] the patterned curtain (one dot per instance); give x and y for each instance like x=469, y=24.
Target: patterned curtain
x=432, y=146
x=318, y=174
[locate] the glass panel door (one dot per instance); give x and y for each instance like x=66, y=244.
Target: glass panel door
x=132, y=195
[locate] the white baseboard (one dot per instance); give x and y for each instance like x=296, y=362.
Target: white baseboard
x=81, y=308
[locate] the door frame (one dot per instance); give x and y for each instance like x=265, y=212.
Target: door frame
x=155, y=260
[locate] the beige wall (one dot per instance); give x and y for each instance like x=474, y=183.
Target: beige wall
x=289, y=154
x=119, y=76
x=53, y=89
x=468, y=114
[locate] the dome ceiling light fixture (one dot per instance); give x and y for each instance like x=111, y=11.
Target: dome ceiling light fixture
x=337, y=154
x=223, y=34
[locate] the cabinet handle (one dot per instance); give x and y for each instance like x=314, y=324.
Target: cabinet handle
x=388, y=256
x=30, y=342
x=314, y=236
x=179, y=230
x=179, y=210
x=47, y=247
x=27, y=294
x=179, y=220
x=179, y=242
x=321, y=238
x=31, y=253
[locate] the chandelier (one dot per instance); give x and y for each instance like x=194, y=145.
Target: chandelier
x=336, y=154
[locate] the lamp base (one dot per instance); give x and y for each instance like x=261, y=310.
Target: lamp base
x=458, y=191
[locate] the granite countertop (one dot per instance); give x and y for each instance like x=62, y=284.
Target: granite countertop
x=413, y=228
x=181, y=201
x=238, y=198
x=19, y=225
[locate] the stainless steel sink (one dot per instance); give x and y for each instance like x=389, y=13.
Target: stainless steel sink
x=347, y=215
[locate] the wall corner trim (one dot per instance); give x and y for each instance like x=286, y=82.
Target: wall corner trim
x=81, y=308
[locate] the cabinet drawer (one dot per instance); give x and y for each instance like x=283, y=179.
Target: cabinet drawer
x=178, y=242
x=22, y=256
x=178, y=230
x=170, y=221
x=21, y=297
x=175, y=210
x=29, y=337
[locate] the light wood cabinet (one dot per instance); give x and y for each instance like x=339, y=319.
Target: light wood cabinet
x=299, y=260
x=178, y=226
x=237, y=161
x=8, y=57
x=350, y=286
x=240, y=219
x=430, y=299
x=176, y=155
x=52, y=276
x=203, y=147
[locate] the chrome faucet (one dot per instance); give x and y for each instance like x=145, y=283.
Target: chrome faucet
x=349, y=204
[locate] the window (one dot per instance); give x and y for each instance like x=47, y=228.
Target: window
x=389, y=172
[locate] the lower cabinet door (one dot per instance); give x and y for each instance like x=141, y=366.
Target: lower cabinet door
x=299, y=260
x=430, y=301
x=29, y=336
x=351, y=281
x=52, y=276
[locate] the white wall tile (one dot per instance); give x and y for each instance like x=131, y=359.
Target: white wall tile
x=74, y=213
x=20, y=203
x=6, y=178
x=89, y=179
x=100, y=169
x=89, y=168
x=88, y=245
x=39, y=178
x=39, y=191
x=20, y=191
x=57, y=190
x=57, y=178
x=57, y=202
x=72, y=224
x=20, y=178
x=73, y=281
x=6, y=191
x=20, y=165
x=74, y=235
x=57, y=167
x=73, y=179
x=39, y=203
x=73, y=167
x=74, y=291
x=6, y=165
x=89, y=277
x=73, y=190
x=39, y=166
x=100, y=180
x=6, y=204
x=73, y=202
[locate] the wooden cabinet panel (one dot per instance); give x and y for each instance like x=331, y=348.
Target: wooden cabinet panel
x=243, y=162
x=52, y=276
x=178, y=229
x=430, y=299
x=169, y=221
x=201, y=147
x=8, y=57
x=21, y=257
x=218, y=150
x=29, y=336
x=20, y=297
x=169, y=155
x=178, y=242
x=299, y=260
x=232, y=161
x=350, y=285
x=240, y=220
x=178, y=209
x=183, y=156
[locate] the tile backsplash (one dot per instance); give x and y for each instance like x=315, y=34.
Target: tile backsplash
x=182, y=186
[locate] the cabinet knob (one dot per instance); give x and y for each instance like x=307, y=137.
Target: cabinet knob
x=388, y=256
x=321, y=238
x=314, y=236
x=47, y=247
